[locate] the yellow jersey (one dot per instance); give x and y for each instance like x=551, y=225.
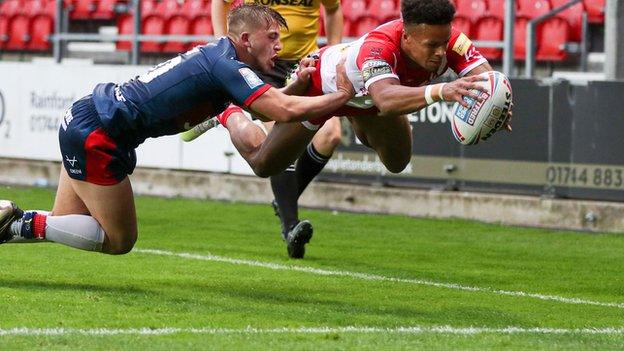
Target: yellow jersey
x=302, y=17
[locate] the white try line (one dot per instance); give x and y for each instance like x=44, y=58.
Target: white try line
x=445, y=329
x=375, y=277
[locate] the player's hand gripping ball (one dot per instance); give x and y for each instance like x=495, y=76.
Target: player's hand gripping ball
x=483, y=118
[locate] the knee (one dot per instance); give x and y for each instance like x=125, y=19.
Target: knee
x=120, y=246
x=397, y=164
x=328, y=138
x=261, y=169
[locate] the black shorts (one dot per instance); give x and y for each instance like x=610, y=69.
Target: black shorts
x=280, y=73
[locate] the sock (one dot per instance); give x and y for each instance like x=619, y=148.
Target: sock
x=284, y=187
x=309, y=165
x=78, y=231
x=223, y=116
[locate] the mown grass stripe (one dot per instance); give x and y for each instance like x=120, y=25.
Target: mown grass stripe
x=375, y=277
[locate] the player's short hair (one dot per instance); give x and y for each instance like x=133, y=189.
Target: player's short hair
x=249, y=17
x=433, y=12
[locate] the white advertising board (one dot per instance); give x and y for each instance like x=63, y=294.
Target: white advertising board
x=34, y=96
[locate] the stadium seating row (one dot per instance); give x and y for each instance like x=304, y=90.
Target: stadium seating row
x=483, y=20
x=26, y=24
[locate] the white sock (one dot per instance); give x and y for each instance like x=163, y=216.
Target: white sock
x=79, y=231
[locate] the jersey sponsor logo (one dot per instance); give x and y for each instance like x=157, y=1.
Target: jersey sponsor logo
x=472, y=54
x=67, y=118
x=462, y=44
x=250, y=77
x=118, y=95
x=374, y=68
x=304, y=3
x=160, y=69
x=72, y=161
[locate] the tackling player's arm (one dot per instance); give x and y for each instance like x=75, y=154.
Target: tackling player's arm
x=275, y=105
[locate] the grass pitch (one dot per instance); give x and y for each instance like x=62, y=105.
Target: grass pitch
x=209, y=275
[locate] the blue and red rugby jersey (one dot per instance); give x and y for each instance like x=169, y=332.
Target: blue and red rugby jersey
x=177, y=94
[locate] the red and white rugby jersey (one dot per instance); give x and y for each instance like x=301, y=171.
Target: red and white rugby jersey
x=377, y=55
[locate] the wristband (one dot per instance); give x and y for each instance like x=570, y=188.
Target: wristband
x=428, y=97
x=440, y=93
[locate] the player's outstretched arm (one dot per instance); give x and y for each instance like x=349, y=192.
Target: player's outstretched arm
x=279, y=107
x=392, y=98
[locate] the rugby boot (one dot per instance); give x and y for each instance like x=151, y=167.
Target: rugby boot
x=9, y=212
x=297, y=238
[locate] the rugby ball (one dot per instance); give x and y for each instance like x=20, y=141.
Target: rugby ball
x=483, y=118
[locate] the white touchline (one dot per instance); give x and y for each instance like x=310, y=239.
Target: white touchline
x=444, y=329
x=375, y=277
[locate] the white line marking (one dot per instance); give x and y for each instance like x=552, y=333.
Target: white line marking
x=374, y=277
x=445, y=329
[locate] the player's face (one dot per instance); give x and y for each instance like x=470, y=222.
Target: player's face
x=425, y=44
x=264, y=44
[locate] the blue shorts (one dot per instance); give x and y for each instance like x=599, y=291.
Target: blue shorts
x=89, y=154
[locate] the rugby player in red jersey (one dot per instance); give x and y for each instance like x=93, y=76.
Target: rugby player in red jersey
x=390, y=68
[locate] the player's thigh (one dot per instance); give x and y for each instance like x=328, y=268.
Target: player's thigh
x=389, y=136
x=384, y=131
x=67, y=201
x=112, y=206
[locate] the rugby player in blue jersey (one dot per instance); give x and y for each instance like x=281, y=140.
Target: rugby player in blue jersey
x=94, y=206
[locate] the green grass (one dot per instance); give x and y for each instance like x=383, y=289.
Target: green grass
x=50, y=286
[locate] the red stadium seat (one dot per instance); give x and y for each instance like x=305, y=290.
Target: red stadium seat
x=149, y=8
x=167, y=8
x=4, y=30
x=41, y=27
x=192, y=9
x=34, y=7
x=125, y=25
x=354, y=9
x=553, y=34
x=11, y=8
x=363, y=25
x=471, y=9
x=177, y=25
x=383, y=10
x=104, y=10
x=496, y=8
x=533, y=8
x=574, y=16
x=463, y=24
x=154, y=25
x=595, y=10
x=19, y=33
x=520, y=38
x=490, y=29
x=201, y=26
x=82, y=9
x=49, y=8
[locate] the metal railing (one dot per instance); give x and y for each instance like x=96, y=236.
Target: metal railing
x=531, y=44
x=61, y=36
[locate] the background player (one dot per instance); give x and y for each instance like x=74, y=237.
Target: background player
x=94, y=206
x=390, y=68
x=299, y=40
